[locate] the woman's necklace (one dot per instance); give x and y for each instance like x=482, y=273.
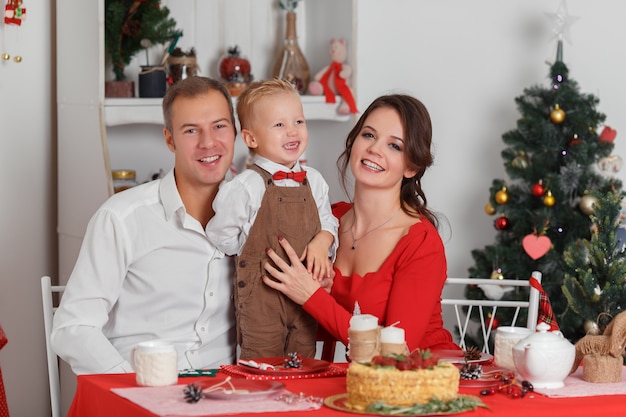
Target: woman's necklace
x=355, y=240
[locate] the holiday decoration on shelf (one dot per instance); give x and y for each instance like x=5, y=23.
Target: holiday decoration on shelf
x=234, y=70
x=290, y=63
x=128, y=23
x=552, y=159
x=332, y=79
x=181, y=64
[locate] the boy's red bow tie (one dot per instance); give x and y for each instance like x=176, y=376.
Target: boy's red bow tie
x=296, y=176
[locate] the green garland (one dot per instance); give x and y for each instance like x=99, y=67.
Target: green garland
x=434, y=406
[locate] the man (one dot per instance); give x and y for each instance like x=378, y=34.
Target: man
x=147, y=269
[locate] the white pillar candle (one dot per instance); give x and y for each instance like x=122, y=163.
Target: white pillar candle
x=391, y=335
x=362, y=322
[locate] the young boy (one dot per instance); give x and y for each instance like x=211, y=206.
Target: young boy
x=274, y=197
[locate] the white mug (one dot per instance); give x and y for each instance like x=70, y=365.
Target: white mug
x=506, y=338
x=155, y=363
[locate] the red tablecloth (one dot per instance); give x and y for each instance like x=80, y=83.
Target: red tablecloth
x=95, y=399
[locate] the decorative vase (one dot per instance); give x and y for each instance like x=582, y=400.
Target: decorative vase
x=291, y=65
x=124, y=89
x=152, y=81
x=181, y=65
x=234, y=70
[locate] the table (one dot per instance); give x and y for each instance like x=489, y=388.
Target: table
x=94, y=399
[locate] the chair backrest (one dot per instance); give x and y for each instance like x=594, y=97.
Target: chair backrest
x=326, y=345
x=49, y=303
x=487, y=308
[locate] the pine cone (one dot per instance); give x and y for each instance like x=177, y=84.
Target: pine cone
x=193, y=393
x=471, y=354
x=471, y=371
x=294, y=361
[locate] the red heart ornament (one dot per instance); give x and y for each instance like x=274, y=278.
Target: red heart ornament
x=607, y=135
x=536, y=246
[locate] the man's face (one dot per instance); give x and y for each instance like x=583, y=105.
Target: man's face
x=202, y=139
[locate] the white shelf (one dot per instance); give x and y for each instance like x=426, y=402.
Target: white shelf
x=125, y=111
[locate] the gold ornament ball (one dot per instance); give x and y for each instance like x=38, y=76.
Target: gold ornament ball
x=520, y=161
x=497, y=274
x=489, y=209
x=557, y=115
x=586, y=204
x=17, y=59
x=502, y=197
x=549, y=200
x=591, y=327
x=6, y=56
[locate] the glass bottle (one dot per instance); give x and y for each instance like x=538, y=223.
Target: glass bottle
x=291, y=65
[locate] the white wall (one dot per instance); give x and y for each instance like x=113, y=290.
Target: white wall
x=467, y=60
x=28, y=204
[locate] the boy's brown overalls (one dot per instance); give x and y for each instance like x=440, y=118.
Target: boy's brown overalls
x=269, y=324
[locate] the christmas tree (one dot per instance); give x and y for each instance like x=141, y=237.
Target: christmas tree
x=594, y=278
x=551, y=159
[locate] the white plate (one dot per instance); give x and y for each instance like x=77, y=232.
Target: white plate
x=456, y=356
x=245, y=389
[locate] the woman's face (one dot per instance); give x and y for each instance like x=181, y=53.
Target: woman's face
x=377, y=156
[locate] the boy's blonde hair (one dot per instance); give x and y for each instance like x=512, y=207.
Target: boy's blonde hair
x=258, y=89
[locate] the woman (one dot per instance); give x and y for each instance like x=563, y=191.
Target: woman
x=391, y=259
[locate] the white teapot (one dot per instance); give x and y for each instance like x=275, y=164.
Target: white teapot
x=544, y=358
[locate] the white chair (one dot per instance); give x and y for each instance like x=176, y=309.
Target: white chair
x=49, y=307
x=487, y=306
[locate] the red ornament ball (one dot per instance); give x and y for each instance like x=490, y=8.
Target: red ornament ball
x=502, y=223
x=494, y=324
x=575, y=140
x=538, y=189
